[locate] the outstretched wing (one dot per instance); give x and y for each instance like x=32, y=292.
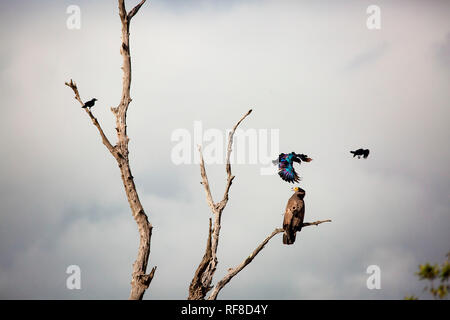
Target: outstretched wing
x=302, y=157
x=287, y=173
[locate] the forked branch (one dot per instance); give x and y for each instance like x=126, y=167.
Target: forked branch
x=201, y=283
x=135, y=10
x=140, y=280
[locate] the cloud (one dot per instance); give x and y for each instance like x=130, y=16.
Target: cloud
x=62, y=201
x=443, y=50
x=367, y=57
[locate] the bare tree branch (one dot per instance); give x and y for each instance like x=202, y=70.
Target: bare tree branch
x=196, y=289
x=135, y=10
x=201, y=283
x=140, y=280
x=316, y=223
x=105, y=140
x=230, y=177
x=232, y=272
x=205, y=183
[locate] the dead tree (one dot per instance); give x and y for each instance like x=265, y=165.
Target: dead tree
x=201, y=283
x=140, y=279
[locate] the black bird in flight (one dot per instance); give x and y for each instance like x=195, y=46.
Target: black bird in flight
x=285, y=163
x=360, y=152
x=89, y=104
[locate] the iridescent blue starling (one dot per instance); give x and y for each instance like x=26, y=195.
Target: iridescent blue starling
x=285, y=163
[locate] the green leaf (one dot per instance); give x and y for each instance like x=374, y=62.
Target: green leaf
x=428, y=271
x=445, y=271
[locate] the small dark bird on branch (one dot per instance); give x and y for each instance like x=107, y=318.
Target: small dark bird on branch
x=360, y=152
x=294, y=215
x=89, y=104
x=285, y=163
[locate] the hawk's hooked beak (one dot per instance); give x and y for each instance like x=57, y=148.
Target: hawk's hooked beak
x=308, y=160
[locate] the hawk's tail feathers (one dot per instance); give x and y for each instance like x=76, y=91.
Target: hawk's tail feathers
x=288, y=239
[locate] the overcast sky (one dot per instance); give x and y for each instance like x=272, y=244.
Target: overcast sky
x=311, y=69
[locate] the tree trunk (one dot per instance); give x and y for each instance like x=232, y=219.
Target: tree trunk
x=140, y=280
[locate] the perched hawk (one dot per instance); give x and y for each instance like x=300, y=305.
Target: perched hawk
x=89, y=104
x=294, y=215
x=360, y=152
x=285, y=163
